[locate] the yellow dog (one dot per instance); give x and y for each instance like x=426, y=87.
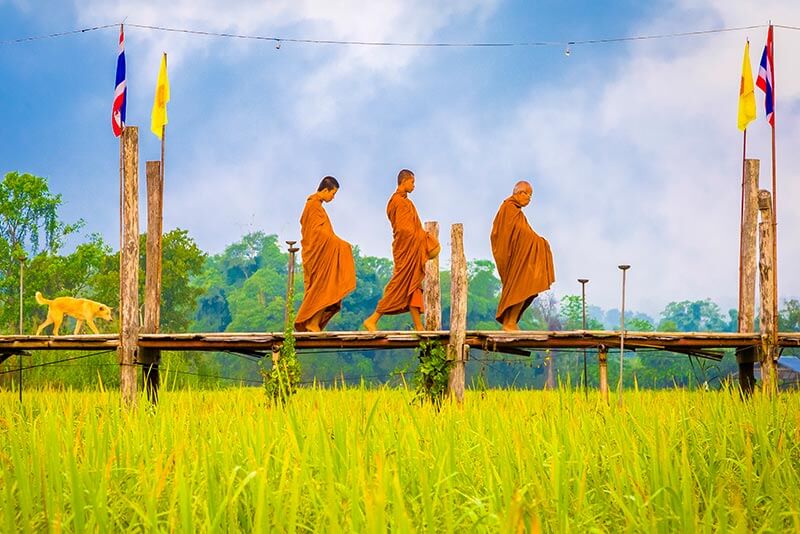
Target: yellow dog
x=81, y=309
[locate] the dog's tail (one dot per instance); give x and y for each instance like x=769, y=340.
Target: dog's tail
x=41, y=300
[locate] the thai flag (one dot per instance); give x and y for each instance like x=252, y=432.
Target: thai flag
x=765, y=81
x=121, y=90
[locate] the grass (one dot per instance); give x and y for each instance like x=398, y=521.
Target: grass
x=368, y=460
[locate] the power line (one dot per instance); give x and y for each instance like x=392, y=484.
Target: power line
x=502, y=44
x=278, y=40
x=54, y=35
x=45, y=364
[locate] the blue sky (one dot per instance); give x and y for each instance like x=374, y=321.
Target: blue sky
x=632, y=148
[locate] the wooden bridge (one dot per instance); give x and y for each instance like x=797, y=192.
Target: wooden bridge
x=702, y=344
x=140, y=344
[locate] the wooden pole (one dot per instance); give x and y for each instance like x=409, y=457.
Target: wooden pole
x=550, y=379
x=289, y=282
x=432, y=285
x=774, y=180
x=129, y=266
x=741, y=216
x=151, y=358
x=767, y=319
x=121, y=206
x=22, y=259
x=602, y=360
x=458, y=314
x=747, y=274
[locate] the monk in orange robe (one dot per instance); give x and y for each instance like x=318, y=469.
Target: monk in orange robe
x=412, y=246
x=522, y=256
x=329, y=272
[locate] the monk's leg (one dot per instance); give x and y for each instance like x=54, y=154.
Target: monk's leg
x=511, y=317
x=416, y=317
x=313, y=324
x=371, y=323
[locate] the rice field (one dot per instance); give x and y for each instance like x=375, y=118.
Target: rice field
x=368, y=460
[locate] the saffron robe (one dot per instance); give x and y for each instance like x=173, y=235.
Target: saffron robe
x=523, y=259
x=329, y=272
x=410, y=249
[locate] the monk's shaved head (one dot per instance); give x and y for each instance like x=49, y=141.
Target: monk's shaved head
x=404, y=175
x=523, y=186
x=328, y=183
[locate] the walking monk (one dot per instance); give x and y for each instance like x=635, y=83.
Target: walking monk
x=523, y=258
x=412, y=246
x=329, y=272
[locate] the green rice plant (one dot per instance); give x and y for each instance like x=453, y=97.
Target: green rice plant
x=358, y=459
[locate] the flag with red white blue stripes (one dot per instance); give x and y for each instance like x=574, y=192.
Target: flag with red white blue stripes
x=120, y=90
x=765, y=80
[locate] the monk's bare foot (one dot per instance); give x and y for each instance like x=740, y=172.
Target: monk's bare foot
x=371, y=322
x=417, y=319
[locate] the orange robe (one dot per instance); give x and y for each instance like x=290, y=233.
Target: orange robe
x=410, y=252
x=522, y=256
x=329, y=272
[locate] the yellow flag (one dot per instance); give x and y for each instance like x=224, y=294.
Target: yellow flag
x=158, y=118
x=747, y=96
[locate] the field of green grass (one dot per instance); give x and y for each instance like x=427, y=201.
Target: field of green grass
x=368, y=460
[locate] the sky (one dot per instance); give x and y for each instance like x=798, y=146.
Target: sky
x=632, y=148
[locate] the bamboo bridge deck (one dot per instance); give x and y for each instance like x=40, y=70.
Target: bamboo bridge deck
x=698, y=343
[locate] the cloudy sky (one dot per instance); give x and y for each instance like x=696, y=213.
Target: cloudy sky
x=632, y=147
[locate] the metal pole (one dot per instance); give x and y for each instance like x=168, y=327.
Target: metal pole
x=289, y=279
x=624, y=269
x=583, y=282
x=22, y=259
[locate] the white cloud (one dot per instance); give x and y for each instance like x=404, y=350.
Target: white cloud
x=634, y=159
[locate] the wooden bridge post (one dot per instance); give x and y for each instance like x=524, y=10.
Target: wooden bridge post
x=602, y=359
x=458, y=314
x=768, y=321
x=432, y=286
x=288, y=306
x=151, y=358
x=746, y=357
x=129, y=266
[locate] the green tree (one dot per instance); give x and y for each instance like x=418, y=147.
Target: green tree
x=637, y=324
x=571, y=313
x=182, y=263
x=693, y=316
x=483, y=292
x=789, y=316
x=29, y=225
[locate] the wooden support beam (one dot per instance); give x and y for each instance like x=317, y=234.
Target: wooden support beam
x=432, y=286
x=747, y=282
x=549, y=368
x=148, y=357
x=602, y=360
x=458, y=314
x=129, y=266
x=768, y=321
x=489, y=340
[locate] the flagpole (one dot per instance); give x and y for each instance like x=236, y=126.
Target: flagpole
x=741, y=220
x=121, y=201
x=774, y=181
x=163, y=142
x=163, y=137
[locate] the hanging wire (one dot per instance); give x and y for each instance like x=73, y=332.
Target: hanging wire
x=443, y=44
x=54, y=35
x=564, y=44
x=45, y=364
